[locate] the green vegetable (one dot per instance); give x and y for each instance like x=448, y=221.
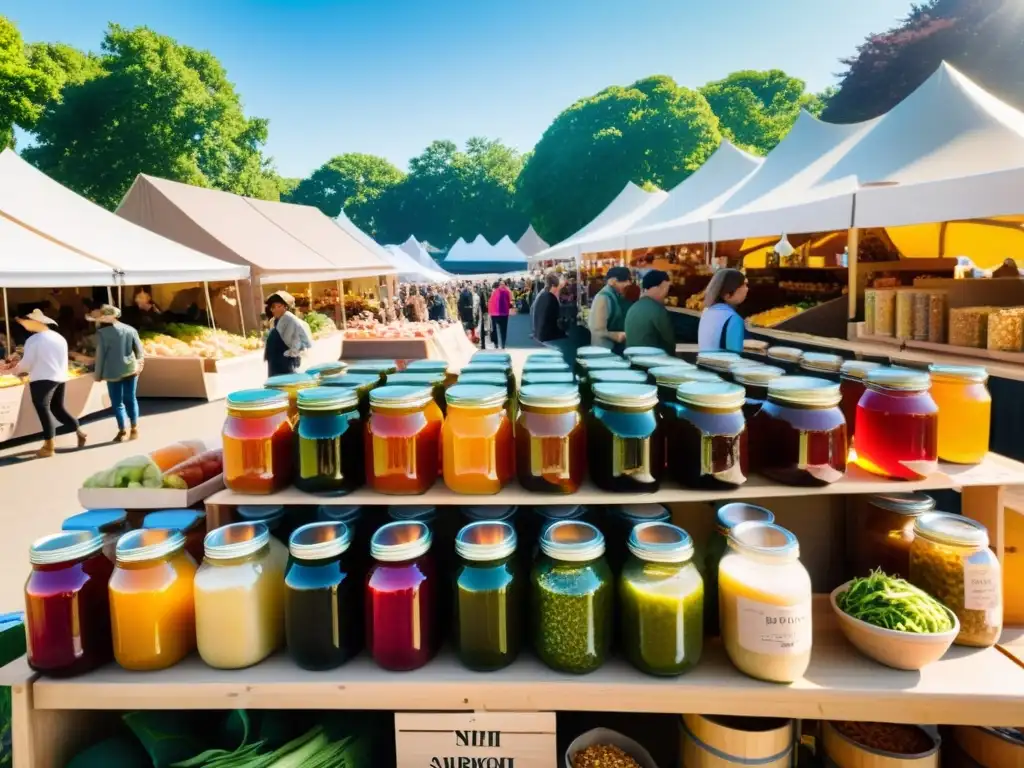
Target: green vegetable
x=104, y=479
x=892, y=603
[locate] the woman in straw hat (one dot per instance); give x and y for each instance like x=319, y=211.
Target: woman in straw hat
x=119, y=358
x=45, y=360
x=289, y=336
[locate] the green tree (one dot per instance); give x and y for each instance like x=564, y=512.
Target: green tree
x=24, y=87
x=651, y=131
x=755, y=109
x=352, y=182
x=64, y=64
x=158, y=107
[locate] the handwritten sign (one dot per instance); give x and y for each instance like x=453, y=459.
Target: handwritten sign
x=475, y=739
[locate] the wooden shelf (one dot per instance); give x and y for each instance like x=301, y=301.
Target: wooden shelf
x=969, y=686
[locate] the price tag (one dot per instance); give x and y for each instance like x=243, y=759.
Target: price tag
x=471, y=739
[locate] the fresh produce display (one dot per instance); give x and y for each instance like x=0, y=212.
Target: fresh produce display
x=893, y=603
x=696, y=301
x=9, y=379
x=186, y=340
x=812, y=287
x=195, y=471
x=133, y=472
x=776, y=315
x=319, y=324
x=368, y=328
x=174, y=466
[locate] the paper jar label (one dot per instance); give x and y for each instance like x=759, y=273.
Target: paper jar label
x=774, y=629
x=981, y=587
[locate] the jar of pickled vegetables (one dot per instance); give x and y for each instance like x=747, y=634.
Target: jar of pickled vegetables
x=851, y=387
x=548, y=377
x=239, y=597
x=330, y=443
x=323, y=600
x=401, y=596
x=661, y=597
x=799, y=435
x=477, y=440
x=403, y=440
x=379, y=368
x=550, y=441
x=572, y=598
x=258, y=442
x=630, y=352
x=667, y=379
x=626, y=450
x=897, y=425
x=291, y=384
x=707, y=436
x=754, y=379
x=965, y=412
x=611, y=376
x=620, y=520
x=821, y=364
x=435, y=381
x=786, y=358
x=764, y=597
x=111, y=523
x=152, y=605
x=727, y=517
x=488, y=596
x=362, y=383
x=950, y=559
x=67, y=608
x=717, y=362
x=883, y=532
x=191, y=523
x=326, y=369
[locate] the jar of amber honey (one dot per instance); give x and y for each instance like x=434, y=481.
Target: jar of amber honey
x=965, y=412
x=477, y=441
x=258, y=442
x=550, y=439
x=403, y=440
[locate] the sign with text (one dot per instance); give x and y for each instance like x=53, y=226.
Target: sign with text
x=475, y=739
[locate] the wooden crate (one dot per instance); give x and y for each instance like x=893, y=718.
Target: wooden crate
x=499, y=739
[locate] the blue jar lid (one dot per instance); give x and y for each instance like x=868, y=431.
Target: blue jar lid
x=183, y=520
x=548, y=377
x=271, y=514
x=257, y=399
x=327, y=369
x=351, y=380
x=493, y=379
x=494, y=367
x=376, y=366
x=618, y=375
x=545, y=364
x=422, y=378
x=327, y=398
x=549, y=396
x=427, y=365
x=102, y=520
x=476, y=396
x=592, y=352
x=482, y=356
x=603, y=363
x=290, y=380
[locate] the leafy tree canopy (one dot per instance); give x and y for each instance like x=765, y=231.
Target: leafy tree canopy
x=25, y=88
x=352, y=182
x=651, y=131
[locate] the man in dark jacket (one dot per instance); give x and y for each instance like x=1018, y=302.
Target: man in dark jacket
x=547, y=310
x=466, y=308
x=647, y=322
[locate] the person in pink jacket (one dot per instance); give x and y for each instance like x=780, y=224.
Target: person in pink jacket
x=498, y=308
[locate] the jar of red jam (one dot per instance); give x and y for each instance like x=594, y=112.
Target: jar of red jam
x=403, y=440
x=851, y=387
x=799, y=435
x=707, y=436
x=67, y=604
x=897, y=425
x=401, y=597
x=754, y=379
x=550, y=441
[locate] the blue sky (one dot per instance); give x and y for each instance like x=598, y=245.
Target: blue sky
x=388, y=76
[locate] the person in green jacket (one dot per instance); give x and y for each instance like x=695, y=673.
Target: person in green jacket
x=647, y=322
x=607, y=321
x=119, y=360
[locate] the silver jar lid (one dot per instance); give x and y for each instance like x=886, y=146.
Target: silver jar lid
x=674, y=375
x=786, y=354
x=821, y=361
x=572, y=541
x=476, y=396
x=960, y=373
x=858, y=369
x=549, y=396
x=899, y=379
x=235, y=540
x=711, y=394
x=148, y=544
x=65, y=547
x=903, y=503
x=319, y=541
x=947, y=528
x=804, y=390
x=485, y=540
x=400, y=396
x=719, y=361
x=660, y=542
x=400, y=541
x=626, y=395
x=756, y=374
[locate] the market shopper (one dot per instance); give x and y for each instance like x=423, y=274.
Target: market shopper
x=647, y=322
x=289, y=337
x=547, y=310
x=119, y=360
x=607, y=320
x=45, y=360
x=499, y=308
x=721, y=327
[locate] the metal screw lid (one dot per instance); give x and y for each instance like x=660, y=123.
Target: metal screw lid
x=858, y=369
x=476, y=396
x=327, y=399
x=660, y=542
x=756, y=375
x=764, y=540
x=400, y=541
x=626, y=395
x=705, y=394
x=395, y=396
x=572, y=541
x=257, y=400
x=899, y=379
x=950, y=529
x=319, y=541
x=65, y=547
x=235, y=540
x=148, y=544
x=786, y=354
x=972, y=373
x=821, y=361
x=485, y=540
x=804, y=390
x=549, y=396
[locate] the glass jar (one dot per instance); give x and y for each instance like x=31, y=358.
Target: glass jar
x=626, y=446
x=821, y=364
x=667, y=379
x=611, y=376
x=326, y=369
x=488, y=596
x=799, y=435
x=591, y=353
x=588, y=366
x=905, y=313
x=278, y=522
x=502, y=369
x=401, y=592
x=707, y=436
x=885, y=312
x=764, y=595
x=258, y=442
x=661, y=598
x=897, y=425
x=239, y=592
x=754, y=379
x=434, y=381
x=111, y=524
x=329, y=442
x=717, y=362
x=965, y=412
x=951, y=561
x=403, y=440
x=291, y=384
x=379, y=368
x=630, y=352
x=786, y=358
x=67, y=608
x=550, y=441
x=546, y=365
x=362, y=383
x=572, y=598
x=727, y=517
x=323, y=600
x=869, y=312
x=851, y=388
x=477, y=440
x=191, y=523
x=620, y=521
x=883, y=532
x=548, y=377
x=152, y=605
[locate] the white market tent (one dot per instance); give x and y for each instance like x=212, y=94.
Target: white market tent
x=459, y=247
x=415, y=250
x=409, y=270
x=506, y=250
x=480, y=257
x=531, y=243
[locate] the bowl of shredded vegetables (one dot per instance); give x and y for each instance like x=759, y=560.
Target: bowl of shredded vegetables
x=893, y=622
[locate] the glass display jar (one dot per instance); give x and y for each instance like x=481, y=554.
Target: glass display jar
x=610, y=376
x=851, y=389
x=897, y=425
x=965, y=412
x=67, y=607
x=258, y=442
x=548, y=377
x=661, y=598
x=764, y=595
x=950, y=559
x=707, y=436
x=321, y=370
x=754, y=379
x=323, y=600
x=630, y=352
x=291, y=384
x=239, y=596
x=821, y=364
x=152, y=605
x=667, y=379
x=550, y=440
x=786, y=358
x=379, y=368
x=401, y=593
x=799, y=435
x=883, y=531
x=191, y=523
x=620, y=520
x=572, y=598
x=885, y=312
x=362, y=383
x=626, y=446
x=727, y=517
x=329, y=442
x=403, y=440
x=434, y=380
x=109, y=523
x=488, y=596
x=477, y=440
x=278, y=521
x=717, y=362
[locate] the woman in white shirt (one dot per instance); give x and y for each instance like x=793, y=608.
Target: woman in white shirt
x=45, y=360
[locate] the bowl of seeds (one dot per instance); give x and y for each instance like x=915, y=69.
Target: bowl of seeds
x=604, y=748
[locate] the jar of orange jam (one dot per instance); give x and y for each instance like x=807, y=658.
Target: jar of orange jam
x=291, y=383
x=152, y=607
x=258, y=441
x=965, y=412
x=551, y=444
x=403, y=440
x=477, y=440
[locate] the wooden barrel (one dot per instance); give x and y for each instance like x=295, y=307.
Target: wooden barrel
x=991, y=747
x=841, y=752
x=710, y=741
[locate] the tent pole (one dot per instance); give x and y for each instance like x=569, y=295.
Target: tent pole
x=7, y=323
x=209, y=307
x=341, y=298
x=120, y=297
x=241, y=314
x=310, y=289
x=853, y=245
